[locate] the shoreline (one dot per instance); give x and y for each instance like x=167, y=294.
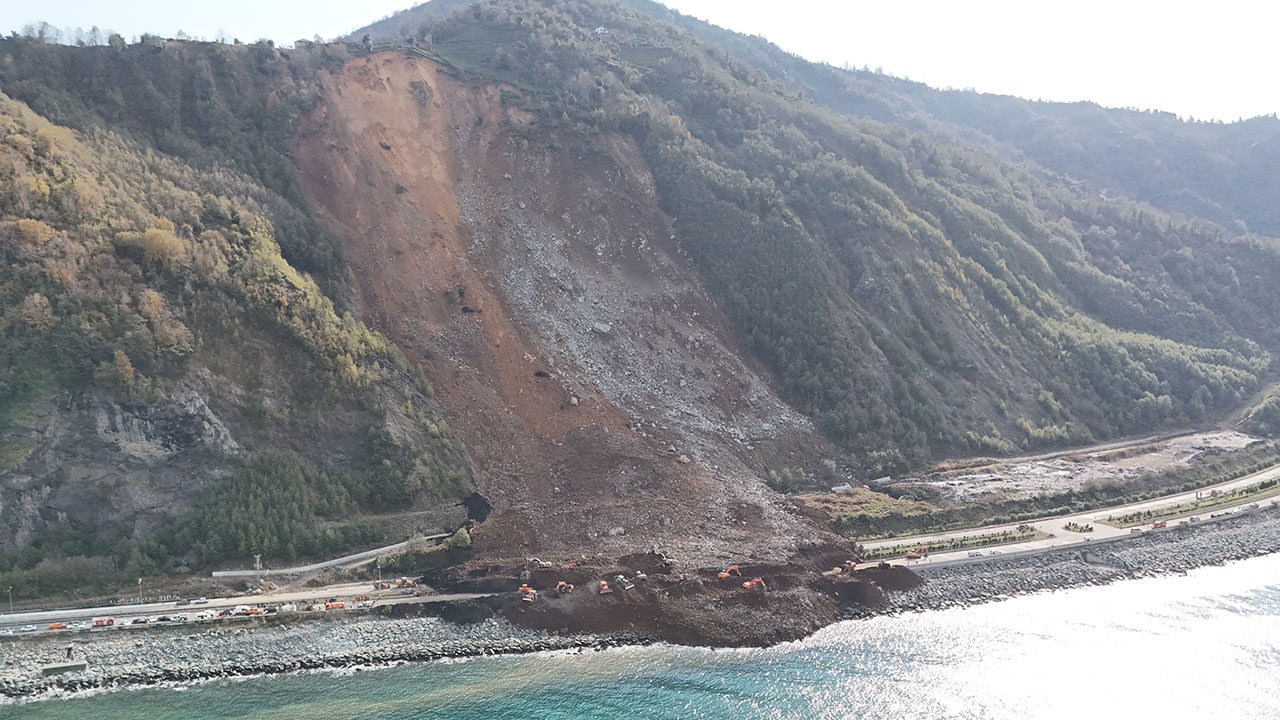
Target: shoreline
x=1169, y=552
x=178, y=656
x=199, y=654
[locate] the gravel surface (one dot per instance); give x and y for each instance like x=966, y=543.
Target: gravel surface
x=143, y=657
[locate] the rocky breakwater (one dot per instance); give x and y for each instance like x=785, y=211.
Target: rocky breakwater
x=121, y=657
x=1174, y=550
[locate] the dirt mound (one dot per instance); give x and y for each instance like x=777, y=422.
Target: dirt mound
x=530, y=273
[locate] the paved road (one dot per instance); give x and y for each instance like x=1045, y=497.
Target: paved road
x=42, y=618
x=344, y=560
x=1065, y=538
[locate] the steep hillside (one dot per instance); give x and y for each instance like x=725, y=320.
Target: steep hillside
x=916, y=293
x=164, y=368
x=1220, y=172
x=648, y=272
x=532, y=275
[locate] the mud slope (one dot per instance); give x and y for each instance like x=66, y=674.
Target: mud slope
x=531, y=274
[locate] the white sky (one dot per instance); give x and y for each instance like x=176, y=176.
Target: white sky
x=1208, y=60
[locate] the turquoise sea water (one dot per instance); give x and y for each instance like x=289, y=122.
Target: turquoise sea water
x=1205, y=645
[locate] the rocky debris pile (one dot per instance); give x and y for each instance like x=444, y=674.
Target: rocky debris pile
x=1152, y=553
x=120, y=658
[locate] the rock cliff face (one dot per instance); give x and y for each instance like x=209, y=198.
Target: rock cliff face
x=532, y=274
x=121, y=467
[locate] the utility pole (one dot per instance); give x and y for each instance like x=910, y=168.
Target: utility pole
x=139, y=591
x=378, y=562
x=10, y=599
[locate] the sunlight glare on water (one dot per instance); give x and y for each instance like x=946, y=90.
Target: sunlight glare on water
x=1202, y=645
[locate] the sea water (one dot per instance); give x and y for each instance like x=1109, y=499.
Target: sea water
x=1203, y=645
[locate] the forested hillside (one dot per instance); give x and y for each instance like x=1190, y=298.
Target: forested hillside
x=913, y=290
x=1220, y=172
x=167, y=366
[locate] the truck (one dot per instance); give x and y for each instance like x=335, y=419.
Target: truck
x=1159, y=524
x=104, y=621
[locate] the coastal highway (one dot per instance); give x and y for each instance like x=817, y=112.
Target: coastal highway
x=42, y=618
x=1065, y=538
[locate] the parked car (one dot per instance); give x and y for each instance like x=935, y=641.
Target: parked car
x=200, y=601
x=6, y=631
x=138, y=621
x=28, y=628
x=182, y=602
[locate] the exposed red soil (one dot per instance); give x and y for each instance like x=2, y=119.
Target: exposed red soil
x=429, y=178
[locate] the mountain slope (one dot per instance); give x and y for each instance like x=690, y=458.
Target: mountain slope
x=913, y=292
x=648, y=277
x=531, y=274
x=1206, y=169
x=158, y=348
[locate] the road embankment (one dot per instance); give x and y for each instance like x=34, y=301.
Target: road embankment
x=1174, y=550
x=178, y=655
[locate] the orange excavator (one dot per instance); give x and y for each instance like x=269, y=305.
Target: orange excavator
x=922, y=551
x=604, y=588
x=754, y=583
x=527, y=593
x=731, y=570
x=564, y=588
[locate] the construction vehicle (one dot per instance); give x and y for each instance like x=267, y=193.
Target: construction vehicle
x=604, y=588
x=640, y=577
x=754, y=583
x=731, y=570
x=663, y=560
x=527, y=594
x=564, y=588
x=104, y=621
x=404, y=582
x=1159, y=524
x=918, y=553
x=334, y=605
x=536, y=564
x=381, y=585
x=623, y=583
